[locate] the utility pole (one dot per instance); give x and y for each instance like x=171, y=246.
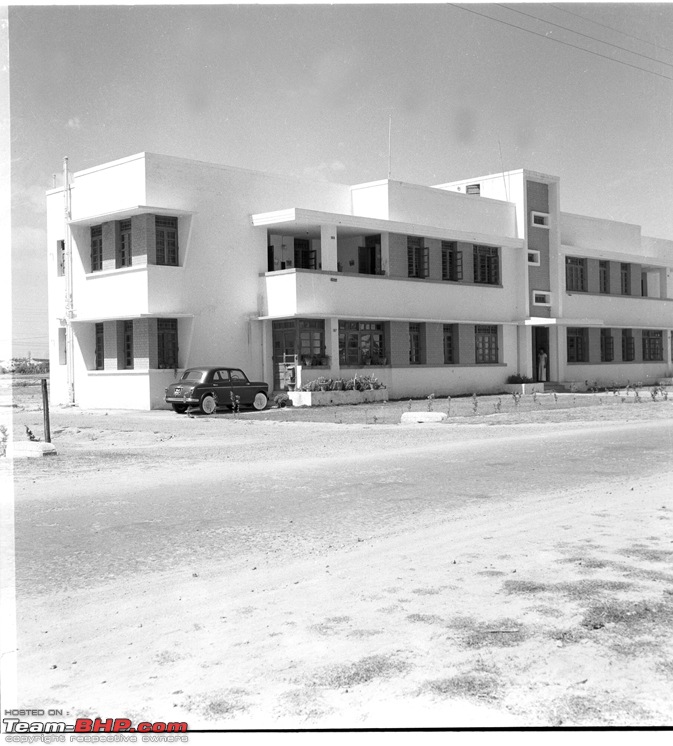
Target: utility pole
x=69, y=309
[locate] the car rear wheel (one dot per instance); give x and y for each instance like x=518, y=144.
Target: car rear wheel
x=180, y=408
x=208, y=404
x=260, y=401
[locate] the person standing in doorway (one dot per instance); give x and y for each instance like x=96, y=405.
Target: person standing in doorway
x=541, y=365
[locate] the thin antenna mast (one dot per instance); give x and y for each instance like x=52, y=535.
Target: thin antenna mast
x=390, y=131
x=502, y=166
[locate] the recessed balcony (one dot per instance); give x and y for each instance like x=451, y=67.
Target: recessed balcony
x=306, y=293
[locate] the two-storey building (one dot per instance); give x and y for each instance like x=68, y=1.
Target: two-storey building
x=162, y=263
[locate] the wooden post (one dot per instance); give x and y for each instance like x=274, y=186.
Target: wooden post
x=45, y=411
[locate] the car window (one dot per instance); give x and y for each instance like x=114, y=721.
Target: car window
x=194, y=374
x=237, y=376
x=221, y=376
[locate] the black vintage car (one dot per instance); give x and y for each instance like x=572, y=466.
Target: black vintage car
x=216, y=388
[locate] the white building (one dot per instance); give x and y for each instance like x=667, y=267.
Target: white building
x=447, y=289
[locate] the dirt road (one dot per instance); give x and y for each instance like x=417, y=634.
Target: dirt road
x=250, y=573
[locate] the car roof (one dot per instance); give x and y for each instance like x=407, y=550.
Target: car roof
x=212, y=367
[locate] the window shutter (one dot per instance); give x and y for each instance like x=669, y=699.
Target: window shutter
x=459, y=265
x=426, y=261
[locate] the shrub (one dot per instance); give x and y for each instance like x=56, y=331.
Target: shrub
x=518, y=378
x=282, y=400
x=358, y=383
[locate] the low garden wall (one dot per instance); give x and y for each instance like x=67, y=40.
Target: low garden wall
x=325, y=398
x=524, y=388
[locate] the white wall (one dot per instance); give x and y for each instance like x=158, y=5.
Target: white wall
x=113, y=186
x=599, y=235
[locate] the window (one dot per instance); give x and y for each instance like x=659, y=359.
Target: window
x=311, y=342
x=96, y=248
x=578, y=347
x=99, y=353
x=576, y=274
x=473, y=189
x=304, y=256
x=450, y=344
x=653, y=348
x=361, y=343
x=604, y=277
x=626, y=283
x=127, y=341
x=60, y=258
x=167, y=343
x=415, y=351
x=124, y=254
x=166, y=239
x=418, y=257
x=539, y=219
x=534, y=257
x=452, y=261
x=541, y=298
x=628, y=346
x=486, y=265
x=486, y=344
x=607, y=346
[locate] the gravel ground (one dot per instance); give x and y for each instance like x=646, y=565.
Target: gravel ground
x=504, y=568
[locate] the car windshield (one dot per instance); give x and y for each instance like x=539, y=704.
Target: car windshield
x=194, y=374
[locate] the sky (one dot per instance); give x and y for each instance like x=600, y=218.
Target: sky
x=580, y=91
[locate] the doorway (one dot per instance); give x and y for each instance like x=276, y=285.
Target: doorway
x=541, y=363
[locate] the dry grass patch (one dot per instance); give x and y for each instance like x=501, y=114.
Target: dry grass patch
x=425, y=618
x=363, y=671
x=224, y=704
x=501, y=633
x=481, y=687
x=587, y=710
x=525, y=586
x=651, y=616
x=647, y=553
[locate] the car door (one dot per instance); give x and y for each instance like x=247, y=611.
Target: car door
x=241, y=386
x=222, y=387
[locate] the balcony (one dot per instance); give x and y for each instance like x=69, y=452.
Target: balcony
x=146, y=290
x=307, y=293
x=619, y=310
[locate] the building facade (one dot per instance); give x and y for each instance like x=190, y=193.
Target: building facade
x=161, y=263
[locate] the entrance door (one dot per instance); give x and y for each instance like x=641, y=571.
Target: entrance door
x=284, y=351
x=541, y=353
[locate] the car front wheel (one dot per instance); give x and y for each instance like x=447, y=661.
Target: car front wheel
x=260, y=401
x=208, y=404
x=180, y=408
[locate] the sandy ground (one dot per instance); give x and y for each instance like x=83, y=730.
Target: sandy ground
x=500, y=570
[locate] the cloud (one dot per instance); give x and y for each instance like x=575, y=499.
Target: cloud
x=323, y=171
x=31, y=198
x=74, y=124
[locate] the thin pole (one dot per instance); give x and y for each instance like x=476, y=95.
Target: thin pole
x=69, y=342
x=502, y=166
x=45, y=411
x=390, y=145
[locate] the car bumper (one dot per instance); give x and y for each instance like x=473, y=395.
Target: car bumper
x=180, y=400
